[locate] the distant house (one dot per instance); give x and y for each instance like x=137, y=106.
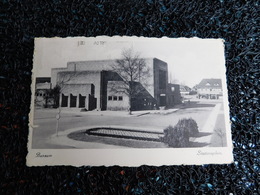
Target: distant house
x=184, y=90
x=209, y=88
x=195, y=88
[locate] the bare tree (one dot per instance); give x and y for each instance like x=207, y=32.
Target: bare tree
x=50, y=97
x=133, y=71
x=63, y=79
x=43, y=97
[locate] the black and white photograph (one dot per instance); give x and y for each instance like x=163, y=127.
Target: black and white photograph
x=129, y=101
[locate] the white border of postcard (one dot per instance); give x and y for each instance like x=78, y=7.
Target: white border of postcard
x=131, y=156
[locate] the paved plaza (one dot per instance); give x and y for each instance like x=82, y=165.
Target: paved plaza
x=146, y=125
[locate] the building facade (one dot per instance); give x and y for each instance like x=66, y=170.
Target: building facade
x=173, y=95
x=90, y=84
x=43, y=86
x=209, y=88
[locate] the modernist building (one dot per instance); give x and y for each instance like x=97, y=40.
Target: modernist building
x=173, y=94
x=91, y=84
x=209, y=88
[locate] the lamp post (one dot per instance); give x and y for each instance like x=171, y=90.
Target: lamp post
x=57, y=122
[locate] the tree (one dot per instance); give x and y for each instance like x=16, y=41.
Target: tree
x=133, y=70
x=49, y=97
x=55, y=94
x=42, y=97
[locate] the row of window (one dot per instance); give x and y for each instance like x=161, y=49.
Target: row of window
x=210, y=89
x=41, y=94
x=215, y=84
x=115, y=98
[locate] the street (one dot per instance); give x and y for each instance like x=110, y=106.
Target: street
x=200, y=110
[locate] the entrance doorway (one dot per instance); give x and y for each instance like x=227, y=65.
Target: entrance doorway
x=92, y=102
x=162, y=101
x=82, y=100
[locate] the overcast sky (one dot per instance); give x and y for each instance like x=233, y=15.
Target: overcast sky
x=189, y=60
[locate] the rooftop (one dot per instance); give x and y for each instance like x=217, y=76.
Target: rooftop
x=210, y=83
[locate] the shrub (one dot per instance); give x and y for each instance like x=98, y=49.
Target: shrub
x=168, y=135
x=175, y=137
x=189, y=124
x=178, y=136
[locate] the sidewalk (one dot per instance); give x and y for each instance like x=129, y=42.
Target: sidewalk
x=208, y=128
x=111, y=113
x=126, y=114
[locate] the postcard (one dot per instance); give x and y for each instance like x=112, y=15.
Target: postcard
x=129, y=101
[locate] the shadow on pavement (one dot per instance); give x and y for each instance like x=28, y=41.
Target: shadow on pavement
x=195, y=104
x=202, y=134
x=198, y=144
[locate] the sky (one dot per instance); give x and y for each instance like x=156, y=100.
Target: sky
x=189, y=59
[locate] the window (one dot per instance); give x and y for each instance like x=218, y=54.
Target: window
x=115, y=98
x=73, y=101
x=120, y=98
x=64, y=101
x=92, y=88
x=109, y=98
x=82, y=101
